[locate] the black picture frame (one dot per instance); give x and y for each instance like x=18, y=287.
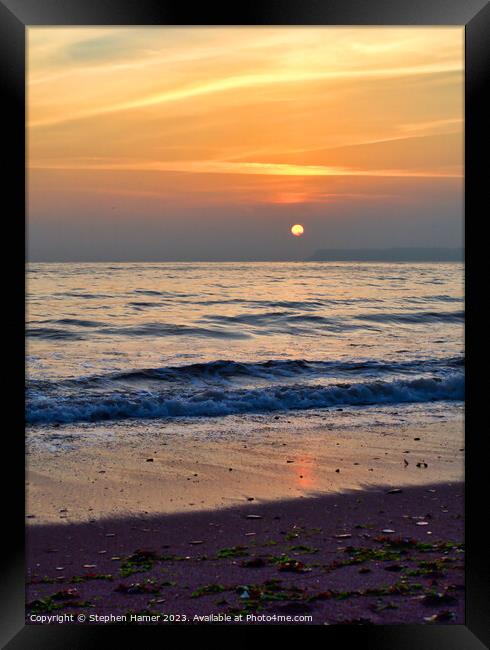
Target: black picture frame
x=15, y=16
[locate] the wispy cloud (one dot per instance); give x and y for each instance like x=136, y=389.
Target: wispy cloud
x=244, y=82
x=242, y=115
x=248, y=168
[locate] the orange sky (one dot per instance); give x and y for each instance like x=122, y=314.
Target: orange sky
x=182, y=123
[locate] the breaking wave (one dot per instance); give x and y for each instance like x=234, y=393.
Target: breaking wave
x=222, y=401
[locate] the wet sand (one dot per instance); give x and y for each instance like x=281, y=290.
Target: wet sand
x=132, y=475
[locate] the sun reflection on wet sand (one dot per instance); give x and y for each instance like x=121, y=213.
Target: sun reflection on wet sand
x=304, y=472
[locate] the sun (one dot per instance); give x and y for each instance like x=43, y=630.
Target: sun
x=297, y=230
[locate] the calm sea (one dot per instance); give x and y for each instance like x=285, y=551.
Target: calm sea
x=161, y=342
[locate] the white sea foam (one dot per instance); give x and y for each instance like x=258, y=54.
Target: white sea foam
x=215, y=401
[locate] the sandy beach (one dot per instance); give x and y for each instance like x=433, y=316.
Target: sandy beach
x=375, y=556
x=176, y=472
x=351, y=527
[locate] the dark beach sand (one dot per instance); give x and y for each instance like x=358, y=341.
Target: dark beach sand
x=325, y=557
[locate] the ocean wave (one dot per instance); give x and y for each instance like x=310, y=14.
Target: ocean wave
x=270, y=318
x=277, y=368
x=77, y=322
x=271, y=370
x=414, y=317
x=171, y=329
x=237, y=326
x=306, y=304
x=216, y=401
x=84, y=296
x=52, y=333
